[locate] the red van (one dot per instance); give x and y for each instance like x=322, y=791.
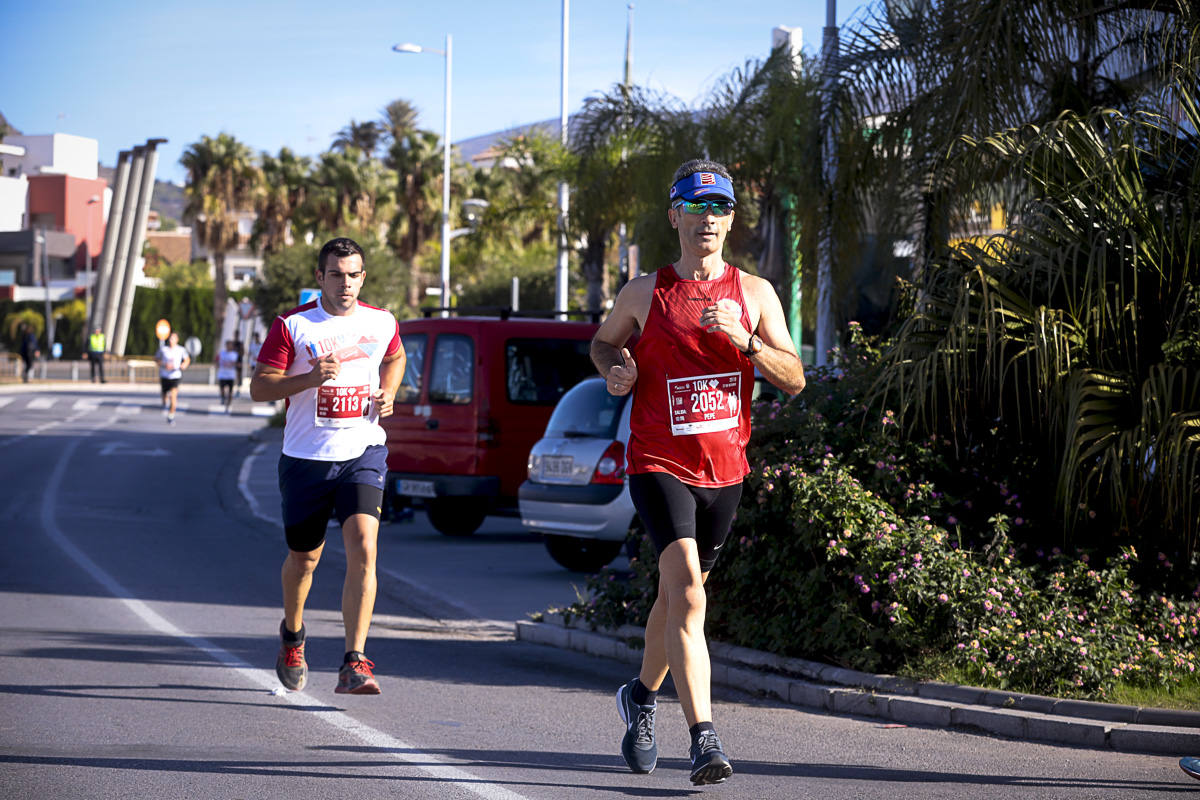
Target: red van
x=476, y=395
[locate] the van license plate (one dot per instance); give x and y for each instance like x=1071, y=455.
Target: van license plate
x=557, y=466
x=416, y=488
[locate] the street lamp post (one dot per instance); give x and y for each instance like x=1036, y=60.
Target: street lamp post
x=87, y=283
x=407, y=47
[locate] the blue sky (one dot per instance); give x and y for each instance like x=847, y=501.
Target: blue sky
x=292, y=74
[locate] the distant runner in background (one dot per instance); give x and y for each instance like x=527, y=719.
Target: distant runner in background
x=172, y=360
x=227, y=373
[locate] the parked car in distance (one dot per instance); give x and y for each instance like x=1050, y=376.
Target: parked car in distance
x=576, y=493
x=476, y=395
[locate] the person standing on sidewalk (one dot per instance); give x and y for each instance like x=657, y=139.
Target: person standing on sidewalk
x=29, y=350
x=172, y=360
x=97, y=347
x=705, y=326
x=338, y=362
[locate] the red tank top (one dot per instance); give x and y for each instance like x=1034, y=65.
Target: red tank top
x=691, y=402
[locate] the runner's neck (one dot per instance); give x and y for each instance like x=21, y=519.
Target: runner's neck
x=700, y=269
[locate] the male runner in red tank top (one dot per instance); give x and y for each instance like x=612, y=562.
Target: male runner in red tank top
x=705, y=326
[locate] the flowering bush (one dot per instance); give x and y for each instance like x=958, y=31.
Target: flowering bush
x=844, y=550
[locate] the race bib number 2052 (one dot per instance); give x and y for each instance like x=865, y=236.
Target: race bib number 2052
x=704, y=403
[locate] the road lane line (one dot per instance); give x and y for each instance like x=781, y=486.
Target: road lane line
x=424, y=762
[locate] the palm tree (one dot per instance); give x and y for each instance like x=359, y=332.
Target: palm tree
x=222, y=180
x=416, y=160
x=364, y=137
x=1071, y=339
x=286, y=179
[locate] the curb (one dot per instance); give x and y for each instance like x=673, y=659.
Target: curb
x=1080, y=723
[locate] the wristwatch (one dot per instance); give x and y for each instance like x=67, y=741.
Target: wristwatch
x=754, y=346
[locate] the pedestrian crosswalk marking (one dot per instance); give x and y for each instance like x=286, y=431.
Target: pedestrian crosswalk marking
x=129, y=409
x=86, y=405
x=5, y=401
x=41, y=403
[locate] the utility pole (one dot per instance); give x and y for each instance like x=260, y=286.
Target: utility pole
x=623, y=272
x=829, y=58
x=560, y=281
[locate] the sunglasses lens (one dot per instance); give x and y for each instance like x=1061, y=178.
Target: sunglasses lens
x=718, y=208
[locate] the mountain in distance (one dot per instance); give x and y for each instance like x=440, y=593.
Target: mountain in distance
x=167, y=200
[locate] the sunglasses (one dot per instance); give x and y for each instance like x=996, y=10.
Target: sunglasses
x=718, y=208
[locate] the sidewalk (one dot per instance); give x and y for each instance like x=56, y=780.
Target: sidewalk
x=809, y=684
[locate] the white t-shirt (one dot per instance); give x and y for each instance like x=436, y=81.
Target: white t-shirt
x=170, y=361
x=335, y=421
x=227, y=365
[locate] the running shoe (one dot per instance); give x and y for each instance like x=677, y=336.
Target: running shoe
x=355, y=677
x=709, y=762
x=290, y=665
x=637, y=745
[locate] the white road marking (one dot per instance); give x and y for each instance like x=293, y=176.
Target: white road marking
x=128, y=409
x=430, y=764
x=41, y=403
x=5, y=401
x=86, y=405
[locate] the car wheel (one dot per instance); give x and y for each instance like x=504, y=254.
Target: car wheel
x=581, y=555
x=456, y=516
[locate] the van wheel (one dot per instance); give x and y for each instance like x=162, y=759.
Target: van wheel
x=455, y=516
x=581, y=555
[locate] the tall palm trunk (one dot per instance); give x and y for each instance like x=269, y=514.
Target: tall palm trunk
x=220, y=296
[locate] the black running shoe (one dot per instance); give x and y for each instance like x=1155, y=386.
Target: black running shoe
x=709, y=762
x=637, y=745
x=290, y=665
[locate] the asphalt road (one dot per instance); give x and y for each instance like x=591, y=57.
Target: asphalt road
x=138, y=610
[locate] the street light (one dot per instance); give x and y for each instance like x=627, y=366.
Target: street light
x=87, y=284
x=408, y=47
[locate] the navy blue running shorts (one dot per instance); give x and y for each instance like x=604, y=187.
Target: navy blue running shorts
x=671, y=510
x=312, y=491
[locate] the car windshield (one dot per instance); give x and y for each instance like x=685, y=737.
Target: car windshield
x=587, y=410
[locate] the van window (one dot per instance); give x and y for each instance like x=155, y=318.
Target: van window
x=414, y=367
x=540, y=371
x=587, y=410
x=452, y=378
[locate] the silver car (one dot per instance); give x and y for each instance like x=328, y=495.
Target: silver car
x=576, y=494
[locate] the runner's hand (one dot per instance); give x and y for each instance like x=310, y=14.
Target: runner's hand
x=326, y=368
x=383, y=403
x=726, y=317
x=622, y=377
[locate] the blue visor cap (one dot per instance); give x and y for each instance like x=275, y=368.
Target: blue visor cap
x=702, y=186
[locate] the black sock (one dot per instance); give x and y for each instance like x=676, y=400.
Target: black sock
x=639, y=694
x=354, y=655
x=699, y=728
x=289, y=636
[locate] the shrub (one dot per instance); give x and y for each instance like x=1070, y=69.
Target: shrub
x=845, y=550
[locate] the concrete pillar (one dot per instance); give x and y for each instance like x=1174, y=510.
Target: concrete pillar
x=119, y=276
x=137, y=240
x=104, y=274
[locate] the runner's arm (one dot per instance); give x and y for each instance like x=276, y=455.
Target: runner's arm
x=608, y=351
x=271, y=383
x=777, y=361
x=391, y=373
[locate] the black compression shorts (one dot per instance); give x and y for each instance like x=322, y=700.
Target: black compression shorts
x=313, y=490
x=672, y=510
